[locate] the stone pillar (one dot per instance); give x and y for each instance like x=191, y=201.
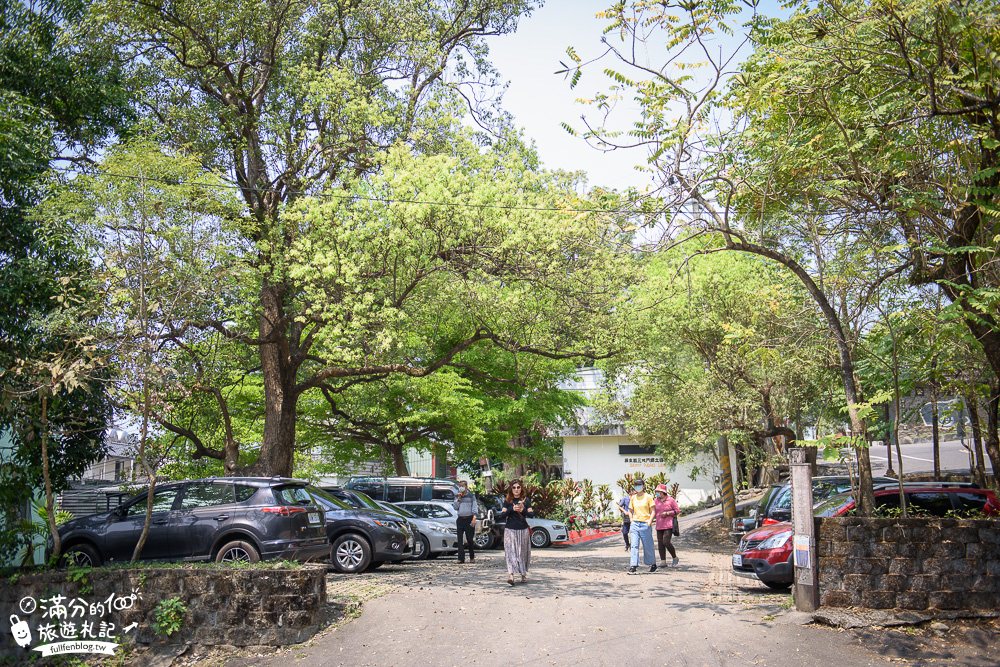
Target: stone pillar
x=806, y=589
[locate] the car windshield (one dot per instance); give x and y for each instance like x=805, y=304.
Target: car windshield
x=327, y=500
x=831, y=506
x=396, y=509
x=367, y=501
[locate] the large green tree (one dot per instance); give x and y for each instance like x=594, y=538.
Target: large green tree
x=334, y=121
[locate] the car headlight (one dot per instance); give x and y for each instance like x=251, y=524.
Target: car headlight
x=558, y=526
x=386, y=524
x=444, y=529
x=775, y=541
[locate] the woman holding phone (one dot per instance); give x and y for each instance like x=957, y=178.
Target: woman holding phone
x=516, y=535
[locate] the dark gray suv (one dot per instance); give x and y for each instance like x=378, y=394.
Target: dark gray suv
x=225, y=519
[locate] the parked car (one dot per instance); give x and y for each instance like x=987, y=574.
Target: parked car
x=355, y=499
x=545, y=532
x=438, y=511
x=228, y=519
x=490, y=533
x=400, y=489
x=765, y=554
x=363, y=538
x=775, y=505
x=432, y=538
x=493, y=523
x=928, y=499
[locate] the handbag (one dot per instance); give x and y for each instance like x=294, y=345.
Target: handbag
x=676, y=530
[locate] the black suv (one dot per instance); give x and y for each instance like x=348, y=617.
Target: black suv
x=361, y=537
x=225, y=519
x=402, y=489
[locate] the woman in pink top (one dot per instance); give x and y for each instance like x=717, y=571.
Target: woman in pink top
x=666, y=508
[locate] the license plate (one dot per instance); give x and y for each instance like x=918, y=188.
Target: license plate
x=314, y=518
x=737, y=560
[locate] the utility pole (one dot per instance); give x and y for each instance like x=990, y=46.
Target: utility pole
x=726, y=481
x=806, y=591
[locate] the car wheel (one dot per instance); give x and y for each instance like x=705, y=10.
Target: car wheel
x=484, y=540
x=81, y=555
x=777, y=585
x=421, y=548
x=540, y=538
x=350, y=554
x=237, y=552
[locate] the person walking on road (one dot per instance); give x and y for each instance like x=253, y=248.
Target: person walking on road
x=465, y=505
x=626, y=521
x=641, y=511
x=667, y=510
x=516, y=534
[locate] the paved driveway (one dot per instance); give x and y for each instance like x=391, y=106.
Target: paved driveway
x=579, y=608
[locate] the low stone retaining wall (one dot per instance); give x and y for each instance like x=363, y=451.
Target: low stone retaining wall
x=224, y=605
x=917, y=564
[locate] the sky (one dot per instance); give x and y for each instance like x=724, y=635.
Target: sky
x=540, y=99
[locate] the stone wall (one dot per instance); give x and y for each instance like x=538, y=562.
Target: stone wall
x=918, y=564
x=225, y=606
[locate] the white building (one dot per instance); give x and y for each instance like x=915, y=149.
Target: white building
x=603, y=453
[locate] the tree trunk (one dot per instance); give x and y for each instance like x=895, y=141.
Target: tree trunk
x=889, y=427
x=979, y=470
x=895, y=440
x=992, y=436
x=398, y=460
x=144, y=462
x=280, y=397
x=50, y=504
x=935, y=436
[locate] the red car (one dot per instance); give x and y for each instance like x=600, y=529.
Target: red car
x=765, y=554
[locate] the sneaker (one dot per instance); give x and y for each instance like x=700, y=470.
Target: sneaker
x=675, y=562
x=652, y=568
x=631, y=570
x=628, y=548
x=663, y=563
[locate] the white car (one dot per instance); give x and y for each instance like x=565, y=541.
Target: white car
x=544, y=532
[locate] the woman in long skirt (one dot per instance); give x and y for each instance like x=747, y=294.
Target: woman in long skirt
x=516, y=535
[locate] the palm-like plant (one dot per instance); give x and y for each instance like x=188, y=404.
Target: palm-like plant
x=626, y=482
x=604, y=498
x=655, y=480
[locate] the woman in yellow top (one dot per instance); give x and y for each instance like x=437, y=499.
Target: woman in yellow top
x=642, y=512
